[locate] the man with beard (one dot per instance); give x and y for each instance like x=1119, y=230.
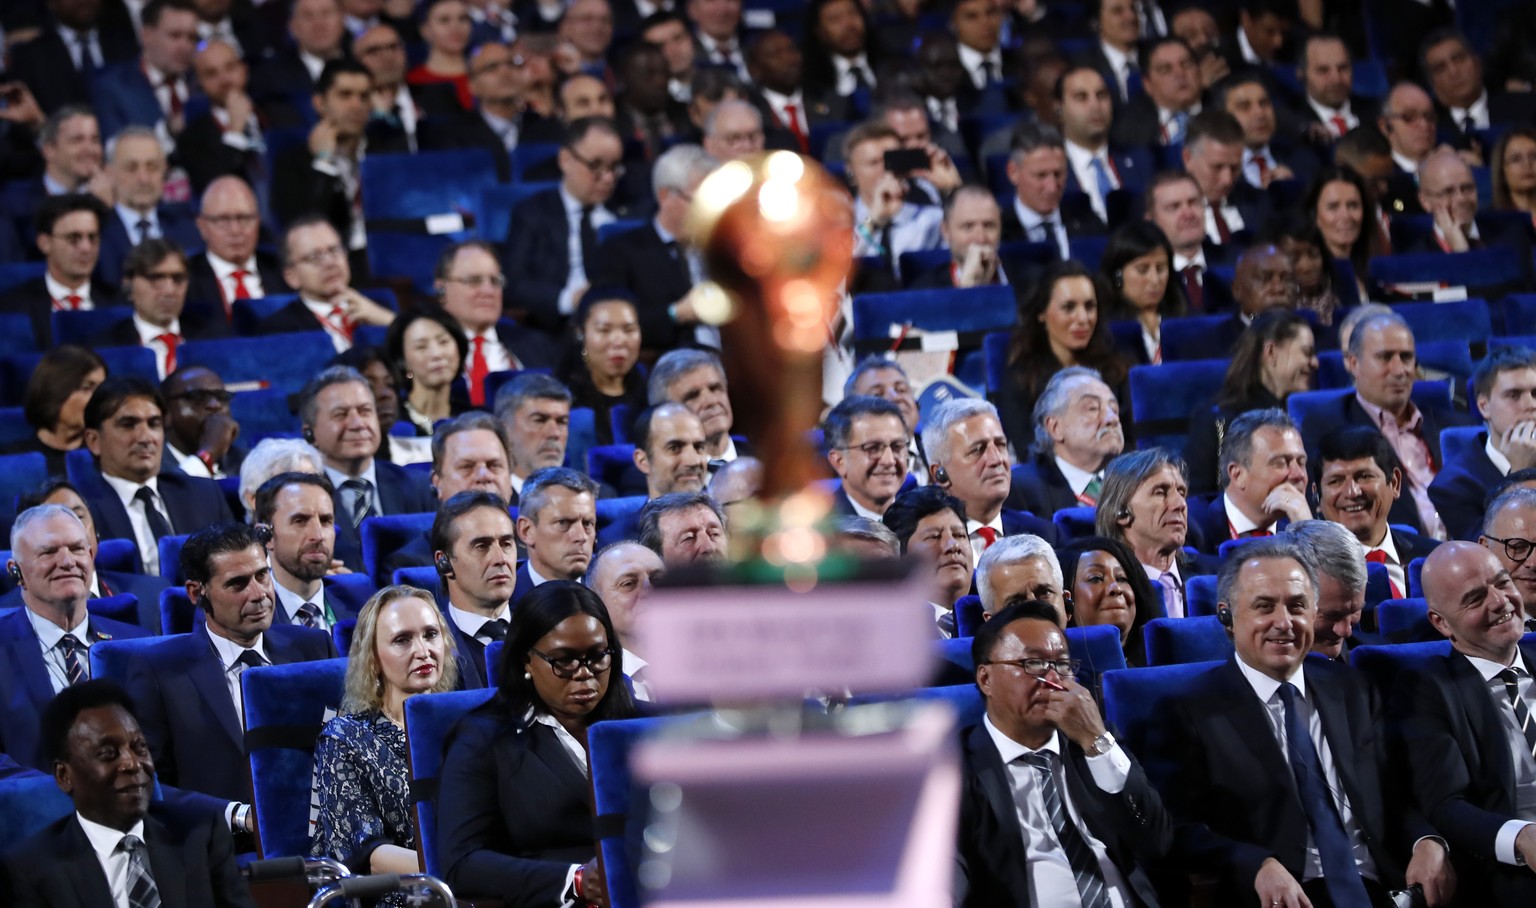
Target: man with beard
x=297, y=510
x=1077, y=434
x=867, y=445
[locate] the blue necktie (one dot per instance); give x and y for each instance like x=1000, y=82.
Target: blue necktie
x=1102, y=177
x=1340, y=874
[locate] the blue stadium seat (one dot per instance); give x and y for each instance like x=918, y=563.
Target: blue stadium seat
x=393, y=187
x=1456, y=441
x=608, y=463
x=263, y=413
x=111, y=658
x=285, y=708
x=123, y=607
x=29, y=803
x=282, y=361
x=1088, y=250
x=493, y=217
x=582, y=437
x=1383, y=664
x=971, y=311
x=406, y=255
x=18, y=366
x=1163, y=397
x=1519, y=313
x=82, y=328
x=1306, y=408
x=423, y=578
x=621, y=419
x=530, y=155
x=13, y=426
x=968, y=616
x=1464, y=320
x=493, y=660
x=1074, y=523
x=1175, y=641
x=170, y=558
x=1135, y=702
x=16, y=337
x=1492, y=270
x=19, y=474
x=1200, y=596
x=1097, y=647
x=614, y=228
x=616, y=518
x=1193, y=336
x=1416, y=578
x=914, y=265
x=13, y=274
x=342, y=633
x=1397, y=615
x=177, y=613
x=428, y=720
x=118, y=555
x=994, y=351
x=247, y=315
x=387, y=534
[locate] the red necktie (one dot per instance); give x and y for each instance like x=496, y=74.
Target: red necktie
x=988, y=536
x=170, y=340
x=1263, y=163
x=1340, y=125
x=1222, y=230
x=338, y=320
x=1380, y=557
x=69, y=303
x=478, y=370
x=1255, y=534
x=792, y=114
x=242, y=292
x=1193, y=288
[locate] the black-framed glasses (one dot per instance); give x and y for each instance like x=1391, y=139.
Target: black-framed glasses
x=1038, y=667
x=568, y=666
x=597, y=168
x=1515, y=548
x=875, y=449
x=206, y=395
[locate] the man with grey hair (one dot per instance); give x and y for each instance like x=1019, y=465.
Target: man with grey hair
x=1021, y=565
x=969, y=458
x=862, y=538
x=878, y=376
x=1341, y=577
x=137, y=164
x=1382, y=359
x=623, y=575
x=867, y=445
x=46, y=645
x=557, y=524
x=1263, y=479
x=535, y=409
x=1037, y=168
x=336, y=410
x=696, y=379
x=657, y=262
x=1508, y=532
x=684, y=528
x=270, y=457
x=1077, y=434
x=733, y=130
x=1145, y=504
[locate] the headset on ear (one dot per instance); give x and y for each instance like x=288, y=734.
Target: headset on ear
x=263, y=533
x=1119, y=279
x=444, y=565
x=14, y=570
x=1224, y=615
x=1124, y=517
x=941, y=476
x=309, y=434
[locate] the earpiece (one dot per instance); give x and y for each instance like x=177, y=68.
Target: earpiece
x=444, y=565
x=1124, y=517
x=1224, y=615
x=941, y=476
x=1119, y=279
x=309, y=434
x=263, y=533
x=14, y=570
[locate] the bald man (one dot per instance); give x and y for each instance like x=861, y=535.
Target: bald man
x=231, y=267
x=225, y=139
x=1449, y=193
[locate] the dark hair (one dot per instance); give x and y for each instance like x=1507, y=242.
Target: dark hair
x=1165, y=178
x=819, y=68
x=711, y=83
x=1214, y=125
x=1131, y=241
x=915, y=505
x=1360, y=250
x=1436, y=38
x=55, y=207
x=838, y=423
x=337, y=68
x=1500, y=360
x=443, y=534
x=1029, y=354
x=1245, y=373
x=539, y=612
x=43, y=491
x=148, y=254
x=1247, y=75
x=198, y=552
x=1144, y=598
x=985, y=640
x=1294, y=228
x=1355, y=443
x=1059, y=89
x=58, y=374
x=467, y=422
x=117, y=390
x=61, y=713
x=359, y=357
x=648, y=521
x=1502, y=200
x=1148, y=48
x=154, y=9
x=578, y=129
x=266, y=496
x=394, y=338
x=1364, y=141
x=574, y=369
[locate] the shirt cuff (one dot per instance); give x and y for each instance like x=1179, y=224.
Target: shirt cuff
x=327, y=168
x=1504, y=842
x=567, y=299
x=237, y=140
x=192, y=465
x=1111, y=769
x=568, y=891
x=1432, y=838
x=229, y=817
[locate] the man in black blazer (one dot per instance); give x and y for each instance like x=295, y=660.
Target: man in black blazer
x=1118, y=30
x=1342, y=580
x=474, y=547
x=69, y=235
x=1042, y=748
x=1040, y=211
x=972, y=228
x=1274, y=765
x=1171, y=82
x=1504, y=386
x=155, y=275
x=1459, y=715
x=1213, y=155
x=1268, y=154
x=229, y=222
x=1359, y=480
x=1448, y=192
x=1329, y=108
x=229, y=137
x=57, y=65
x=298, y=510
x=337, y=413
x=1077, y=434
x=319, y=36
x=867, y=445
x=138, y=168
x=500, y=121
x=1176, y=205
x=557, y=527
x=1463, y=104
x=179, y=856
x=129, y=496
x=317, y=266
x=1263, y=476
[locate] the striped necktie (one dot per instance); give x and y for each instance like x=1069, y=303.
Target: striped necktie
x=142, y=891
x=76, y=669
x=1511, y=679
x=1085, y=866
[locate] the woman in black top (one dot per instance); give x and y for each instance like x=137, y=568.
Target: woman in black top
x=57, y=393
x=602, y=359
x=1138, y=264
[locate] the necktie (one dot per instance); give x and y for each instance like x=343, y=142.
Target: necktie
x=493, y=630
x=588, y=239
x=792, y=114
x=1090, y=495
x=242, y=292
x=170, y=340
x=309, y=614
x=249, y=659
x=1340, y=874
x=1511, y=679
x=1263, y=165
x=159, y=527
x=361, y=503
x=1223, y=231
x=988, y=536
x=989, y=71
x=860, y=78
x=478, y=370
x=1193, y=289
x=1380, y=557
x=170, y=84
x=946, y=625
x=1468, y=125
x=1173, y=600
x=142, y=892
x=1340, y=125
x=70, y=303
x=76, y=669
x=1085, y=866
x=1255, y=534
x=338, y=320
x=86, y=61
x=1048, y=235
x=142, y=228
x=1102, y=177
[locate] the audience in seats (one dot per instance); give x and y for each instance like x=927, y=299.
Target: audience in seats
x=1107, y=587
x=474, y=549
x=69, y=235
x=155, y=276
x=1316, y=280
x=972, y=229
x=386, y=381
x=1041, y=211
x=867, y=445
x=880, y=377
x=445, y=29
x=622, y=575
x=1341, y=582
x=73, y=160
x=536, y=413
x=1094, y=167
x=886, y=224
x=1021, y=566
x=380, y=49
x=1330, y=108
x=1170, y=80
x=860, y=537
x=668, y=31
x=430, y=350
x=557, y=526
x=683, y=528
x=930, y=524
x=1077, y=434
x=1464, y=107
x=601, y=362
x=1448, y=192
x=499, y=121
x=1145, y=504
x=57, y=65
x=735, y=486
x=1117, y=29
x=300, y=521
x=1504, y=387
x=318, y=36
x=54, y=404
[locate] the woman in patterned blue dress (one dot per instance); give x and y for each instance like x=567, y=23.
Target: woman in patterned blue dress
x=401, y=648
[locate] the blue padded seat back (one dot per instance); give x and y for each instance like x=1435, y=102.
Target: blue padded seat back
x=423, y=578
x=29, y=803
x=1163, y=397
x=493, y=219
x=407, y=255
x=111, y=658
x=1192, y=337
x=284, y=361
x=428, y=720
x=1135, y=702
x=971, y=310
x=1384, y=664
x=14, y=273
x=83, y=327
x=1457, y=441
x=178, y=615
x=285, y=709
x=968, y=616
x=1179, y=641
x=994, y=352
x=1097, y=647
x=1416, y=578
x=613, y=228
x=1519, y=313
x=531, y=155
x=1199, y=596
x=19, y=474
x=1466, y=320
x=351, y=591
x=582, y=437
x=342, y=633
x=608, y=463
x=170, y=558
x=123, y=607
x=1492, y=267
x=393, y=185
x=1397, y=615
x=263, y=413
x=386, y=534
x=13, y=425
x=1074, y=522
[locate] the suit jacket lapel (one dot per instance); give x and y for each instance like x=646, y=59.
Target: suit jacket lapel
x=545, y=744
x=207, y=675
x=992, y=775
x=1483, y=716
x=24, y=649
x=1240, y=706
x=77, y=861
x=166, y=863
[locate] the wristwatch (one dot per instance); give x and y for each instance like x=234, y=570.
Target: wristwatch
x=1102, y=745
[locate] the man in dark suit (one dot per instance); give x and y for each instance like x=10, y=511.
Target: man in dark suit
x=500, y=121
x=58, y=64
x=1213, y=155
x=553, y=244
x=1175, y=204
x=557, y=526
x=646, y=114
x=188, y=687
x=319, y=36
x=232, y=267
x=155, y=275
x=47, y=642
x=1461, y=718
x=317, y=265
x=129, y=496
x=177, y=857
x=535, y=410
x=1463, y=104
x=1263, y=476
x=1161, y=116
x=1077, y=433
x=1329, y=107
x=200, y=433
x=472, y=291
x=1041, y=212
x=138, y=168
x=1118, y=30
x=777, y=68
x=69, y=142
x=1449, y=193
x=1144, y=503
x=1275, y=768
x=1094, y=166
x=1342, y=581
x=69, y=235
x=337, y=412
x=475, y=552
x=867, y=445
x=1408, y=121
x=1041, y=749
x=1267, y=156
x=1504, y=385
x=1022, y=566
x=1359, y=480
x=684, y=528
x=229, y=137
x=299, y=514
x=153, y=89
x=972, y=228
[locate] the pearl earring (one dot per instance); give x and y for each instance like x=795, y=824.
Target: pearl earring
x=527, y=676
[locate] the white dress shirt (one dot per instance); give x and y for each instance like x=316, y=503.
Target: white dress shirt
x=144, y=538
x=249, y=139
x=725, y=55
x=497, y=357
x=1229, y=213
x=1520, y=754
x=163, y=86
x=322, y=310
x=229, y=655
x=975, y=63
x=534, y=576
x=1122, y=65
x=1081, y=160
x=405, y=108
x=114, y=861
x=222, y=30
x=312, y=64
x=289, y=601
x=1034, y=222
x=130, y=219
x=469, y=623
x=1407, y=165
x=847, y=82
x=1181, y=261
x=1394, y=563
x=75, y=41
x=1251, y=158
x=370, y=474
x=150, y=336
x=779, y=105
x=1496, y=457
x=191, y=464
x=914, y=228
x=634, y=666
x=944, y=111
x=1327, y=114
x=224, y=271
x=49, y=634
x=1076, y=477
x=577, y=278
x=979, y=544
x=57, y=292
x=1240, y=522
x=1478, y=112
x=567, y=740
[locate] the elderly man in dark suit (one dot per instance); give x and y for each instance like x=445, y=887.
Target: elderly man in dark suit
x=1449, y=193
x=1359, y=480
x=232, y=267
x=117, y=840
x=1504, y=385
x=1052, y=807
x=1468, y=757
x=1077, y=434
x=1274, y=765
x=138, y=169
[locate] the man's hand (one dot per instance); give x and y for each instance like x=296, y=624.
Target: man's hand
x=979, y=267
x=322, y=139
x=1525, y=846
x=239, y=107
x=1431, y=868
x=20, y=107
x=1277, y=888
x=219, y=432
x=941, y=172
x=594, y=889
x=1285, y=499
x=567, y=58
x=1213, y=69
x=1073, y=710
x=1455, y=237
x=363, y=311
x=1278, y=172
x=100, y=185
x=337, y=568
x=1519, y=445
x=889, y=197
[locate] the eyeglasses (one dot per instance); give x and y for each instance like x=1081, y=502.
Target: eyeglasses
x=1468, y=189
x=598, y=168
x=568, y=666
x=1515, y=548
x=393, y=47
x=874, y=449
x=175, y=278
x=205, y=396
x=1414, y=116
x=320, y=255
x=1038, y=667
x=75, y=239
x=515, y=61
x=230, y=220
x=479, y=280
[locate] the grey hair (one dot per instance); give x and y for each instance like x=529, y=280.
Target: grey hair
x=1030, y=136
x=536, y=489
x=648, y=524
x=1358, y=314
x=872, y=363
x=679, y=166
x=852, y=526
x=1124, y=475
x=511, y=396
x=673, y=366
x=131, y=132
x=32, y=515
x=946, y=414
x=1013, y=550
x=1054, y=399
x=1510, y=497
x=1273, y=547
x=1374, y=320
x=48, y=134
x=1335, y=551
x=724, y=106
x=1237, y=444
x=272, y=456
x=331, y=375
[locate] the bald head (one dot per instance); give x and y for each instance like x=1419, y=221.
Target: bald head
x=230, y=222
x=1446, y=181
x=1473, y=601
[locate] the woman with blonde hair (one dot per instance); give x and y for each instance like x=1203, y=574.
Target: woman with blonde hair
x=402, y=647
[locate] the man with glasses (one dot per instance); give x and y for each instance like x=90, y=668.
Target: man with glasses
x=69, y=235
x=501, y=120
x=867, y=445
x=227, y=138
x=1408, y=122
x=1448, y=192
x=553, y=244
x=471, y=289
x=1051, y=803
x=155, y=275
x=200, y=432
x=382, y=53
x=232, y=268
x=1509, y=532
x=315, y=263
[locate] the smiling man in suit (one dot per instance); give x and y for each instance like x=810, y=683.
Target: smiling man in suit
x=1359, y=481
x=1053, y=810
x=474, y=547
x=69, y=235
x=1077, y=434
x=1263, y=477
x=867, y=445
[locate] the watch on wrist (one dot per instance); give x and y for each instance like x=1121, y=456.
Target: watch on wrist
x=1102, y=745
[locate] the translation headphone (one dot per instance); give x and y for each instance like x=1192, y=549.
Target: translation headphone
x=263, y=533
x=941, y=476
x=1224, y=615
x=1124, y=516
x=309, y=434
x=444, y=565
x=14, y=570
x=1119, y=279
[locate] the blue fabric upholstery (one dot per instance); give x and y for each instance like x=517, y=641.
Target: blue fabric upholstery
x=18, y=367
x=621, y=418
x=117, y=555
x=1134, y=704
x=110, y=658
x=497, y=202
x=13, y=424
x=1178, y=641
x=1457, y=441
x=19, y=474
x=1074, y=522
x=16, y=337
x=1303, y=405
x=582, y=437
x=608, y=748
x=246, y=315
x=994, y=352
x=614, y=228
x=83, y=327
x=972, y=310
x=1199, y=596
x=616, y=515
x=408, y=255
x=393, y=184
x=428, y=720
x=1097, y=647
x=177, y=613
x=263, y=413
x=170, y=558
x=532, y=155
x=1163, y=397
x=1383, y=664
x=1088, y=250
x=1519, y=313
x=1416, y=578
x=493, y=660
x=29, y=803
x=341, y=634
x=284, y=711
x=283, y=361
x=1397, y=615
x=608, y=463
x=1192, y=337
x=14, y=273
x=1464, y=320
x=423, y=578
x=1491, y=268
x=968, y=616
x=387, y=534
x=1452, y=357
x=123, y=607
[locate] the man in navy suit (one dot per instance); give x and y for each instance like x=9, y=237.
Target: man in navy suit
x=46, y=644
x=229, y=223
x=153, y=89
x=1213, y=155
x=57, y=65
x=1504, y=384
x=129, y=496
x=1449, y=193
x=1077, y=434
x=1329, y=106
x=1359, y=480
x=317, y=265
x=1175, y=204
x=1040, y=211
x=557, y=525
x=475, y=551
x=69, y=235
x=299, y=517
x=1341, y=587
x=187, y=686
x=338, y=414
x=1094, y=166
x=1266, y=156
x=138, y=168
x=968, y=457
x=155, y=275
x=972, y=228
x=1263, y=477
x=867, y=445
x=1160, y=116
x=472, y=291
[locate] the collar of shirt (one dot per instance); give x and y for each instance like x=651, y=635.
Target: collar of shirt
x=1489, y=669
x=567, y=740
x=1011, y=750
x=289, y=601
x=1496, y=457
x=222, y=268
x=1478, y=111
x=844, y=67
x=50, y=634
x=322, y=311
x=1082, y=160
x=58, y=291
x=862, y=511
x=1029, y=218
x=1384, y=420
x=471, y=622
x=229, y=650
x=711, y=46
x=148, y=332
x=1115, y=56
x=104, y=839
x=1265, y=686
x=1153, y=572
x=1181, y=261
x=778, y=101
x=729, y=454
x=1407, y=165
x=533, y=575
x=1240, y=521
x=127, y=488
x=54, y=187
x=975, y=62
x=131, y=218
x=662, y=232
x=72, y=36
x=369, y=473
x=1249, y=154
x=1387, y=546
x=600, y=214
x=499, y=125
x=1326, y=113
x=1245, y=47
x=972, y=526
x=312, y=63
x=157, y=78
x=1165, y=116
x=1077, y=477
x=517, y=483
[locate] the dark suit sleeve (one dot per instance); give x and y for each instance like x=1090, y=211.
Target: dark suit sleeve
x=537, y=259
x=229, y=889
x=1141, y=816
x=143, y=684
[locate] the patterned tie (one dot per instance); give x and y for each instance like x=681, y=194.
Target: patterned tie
x=242, y=292
x=946, y=625
x=1085, y=866
x=1380, y=557
x=159, y=527
x=76, y=669
x=170, y=340
x=1193, y=289
x=142, y=892
x=1511, y=679
x=361, y=503
x=478, y=370
x=1340, y=874
x=988, y=536
x=1090, y=495
x=309, y=614
x=493, y=630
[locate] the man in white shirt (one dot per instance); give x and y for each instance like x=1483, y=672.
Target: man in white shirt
x=867, y=446
x=1118, y=30
x=381, y=50
x=841, y=36
x=1176, y=205
x=696, y=379
x=138, y=168
x=1360, y=480
x=69, y=236
x=1465, y=106
x=1448, y=192
x=1510, y=522
x=228, y=138
x=978, y=26
x=669, y=31
x=155, y=274
x=1077, y=433
x=1504, y=386
x=557, y=524
x=885, y=223
x=300, y=516
x=536, y=411
x=232, y=268
x=1247, y=99
x=1037, y=168
x=1023, y=565
x=717, y=24
x=1086, y=115
x=1144, y=503
x=1328, y=78
x=1263, y=477
x=1213, y=155
x=622, y=575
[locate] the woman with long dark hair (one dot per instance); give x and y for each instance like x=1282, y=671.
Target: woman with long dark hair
x=601, y=365
x=54, y=405
x=1340, y=204
x=1138, y=265
x=1514, y=171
